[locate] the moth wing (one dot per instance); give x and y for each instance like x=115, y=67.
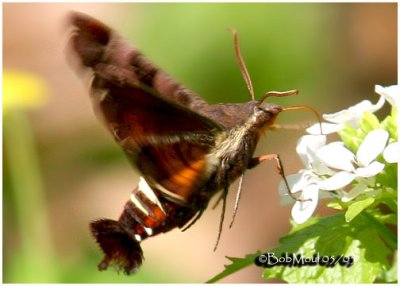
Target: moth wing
x=98, y=45
x=168, y=143
x=163, y=138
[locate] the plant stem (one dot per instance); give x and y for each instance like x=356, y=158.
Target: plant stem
x=33, y=262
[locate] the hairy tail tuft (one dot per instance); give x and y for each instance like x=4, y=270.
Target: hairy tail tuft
x=120, y=248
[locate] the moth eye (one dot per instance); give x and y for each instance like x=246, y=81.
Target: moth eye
x=258, y=110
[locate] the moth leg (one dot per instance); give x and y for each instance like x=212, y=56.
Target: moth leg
x=238, y=194
x=221, y=222
x=218, y=201
x=192, y=222
x=267, y=157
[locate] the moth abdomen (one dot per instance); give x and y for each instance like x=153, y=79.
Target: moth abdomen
x=146, y=213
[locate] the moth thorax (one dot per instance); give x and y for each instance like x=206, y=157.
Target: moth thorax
x=231, y=143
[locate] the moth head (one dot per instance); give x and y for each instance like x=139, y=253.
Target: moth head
x=268, y=108
x=264, y=114
x=267, y=113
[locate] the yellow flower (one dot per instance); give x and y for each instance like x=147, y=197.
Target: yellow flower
x=22, y=90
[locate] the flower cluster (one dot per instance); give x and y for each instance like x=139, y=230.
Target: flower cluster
x=349, y=168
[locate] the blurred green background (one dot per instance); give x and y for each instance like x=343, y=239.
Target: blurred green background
x=61, y=169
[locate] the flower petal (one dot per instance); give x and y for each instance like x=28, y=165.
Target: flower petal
x=353, y=114
x=392, y=153
x=308, y=144
x=327, y=128
x=336, y=156
x=302, y=210
x=339, y=117
x=373, y=144
x=337, y=181
x=390, y=93
x=371, y=170
x=297, y=182
x=321, y=169
x=285, y=200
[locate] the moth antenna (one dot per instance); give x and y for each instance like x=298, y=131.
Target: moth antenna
x=238, y=195
x=242, y=65
x=221, y=222
x=309, y=108
x=278, y=94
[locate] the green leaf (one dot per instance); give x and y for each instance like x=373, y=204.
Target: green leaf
x=337, y=205
x=388, y=219
x=391, y=203
x=357, y=207
x=386, y=233
x=332, y=236
x=388, y=177
x=236, y=265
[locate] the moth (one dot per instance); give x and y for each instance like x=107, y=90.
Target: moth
x=185, y=149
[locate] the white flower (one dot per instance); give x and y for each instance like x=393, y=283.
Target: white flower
x=304, y=185
x=350, y=116
x=307, y=147
x=391, y=154
x=305, y=190
x=373, y=145
x=353, y=114
x=327, y=128
x=390, y=93
x=331, y=167
x=350, y=166
x=336, y=156
x=303, y=210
